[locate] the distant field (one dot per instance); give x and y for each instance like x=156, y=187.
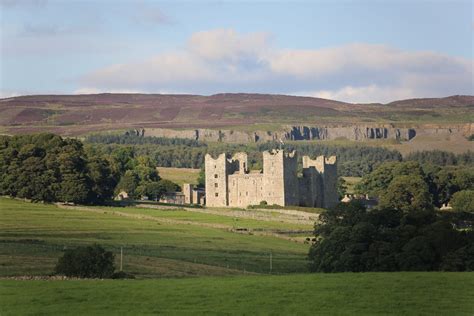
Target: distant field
x=351, y=183
x=179, y=175
x=433, y=293
x=172, y=243
x=451, y=143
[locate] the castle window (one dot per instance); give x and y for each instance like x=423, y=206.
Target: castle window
x=216, y=185
x=246, y=193
x=217, y=194
x=216, y=176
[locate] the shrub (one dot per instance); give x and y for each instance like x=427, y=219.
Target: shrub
x=86, y=262
x=463, y=201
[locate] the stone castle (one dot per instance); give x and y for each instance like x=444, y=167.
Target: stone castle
x=230, y=183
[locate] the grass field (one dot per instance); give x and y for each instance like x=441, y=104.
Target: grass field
x=177, y=243
x=351, y=182
x=179, y=175
x=161, y=246
x=307, y=294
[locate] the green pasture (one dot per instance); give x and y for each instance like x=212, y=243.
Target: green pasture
x=179, y=175
x=33, y=236
x=432, y=293
x=274, y=224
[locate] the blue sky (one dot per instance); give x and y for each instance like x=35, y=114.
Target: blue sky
x=357, y=51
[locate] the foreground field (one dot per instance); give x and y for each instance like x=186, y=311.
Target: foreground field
x=310, y=294
x=156, y=243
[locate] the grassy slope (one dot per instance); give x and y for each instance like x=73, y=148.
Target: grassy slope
x=33, y=235
x=310, y=294
x=179, y=175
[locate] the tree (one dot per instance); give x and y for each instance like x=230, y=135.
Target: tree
x=75, y=185
x=86, y=262
x=129, y=183
x=103, y=181
x=463, y=201
x=341, y=187
x=202, y=178
x=406, y=193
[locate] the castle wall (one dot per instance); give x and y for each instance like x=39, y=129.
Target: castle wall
x=188, y=193
x=290, y=178
x=273, y=177
x=311, y=188
x=245, y=189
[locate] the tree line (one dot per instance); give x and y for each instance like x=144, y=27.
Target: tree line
x=351, y=238
x=47, y=167
x=410, y=184
x=353, y=160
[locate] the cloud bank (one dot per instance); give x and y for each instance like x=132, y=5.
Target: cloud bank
x=224, y=60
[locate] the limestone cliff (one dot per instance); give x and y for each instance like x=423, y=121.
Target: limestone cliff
x=355, y=132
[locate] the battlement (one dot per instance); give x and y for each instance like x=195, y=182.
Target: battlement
x=320, y=163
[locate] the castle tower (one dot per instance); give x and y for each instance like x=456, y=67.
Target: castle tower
x=331, y=197
x=280, y=180
x=324, y=186
x=240, y=162
x=216, y=171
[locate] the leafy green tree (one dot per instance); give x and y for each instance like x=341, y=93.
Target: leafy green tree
x=463, y=201
x=103, y=181
x=202, y=178
x=406, y=193
x=75, y=184
x=146, y=169
x=86, y=262
x=341, y=187
x=122, y=159
x=129, y=183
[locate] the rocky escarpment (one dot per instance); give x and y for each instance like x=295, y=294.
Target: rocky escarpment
x=356, y=132
x=294, y=132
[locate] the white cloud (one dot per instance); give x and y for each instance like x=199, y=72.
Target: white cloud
x=9, y=94
x=227, y=44
x=366, y=94
x=224, y=60
x=96, y=90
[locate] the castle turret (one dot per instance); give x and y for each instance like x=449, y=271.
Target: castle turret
x=280, y=178
x=216, y=180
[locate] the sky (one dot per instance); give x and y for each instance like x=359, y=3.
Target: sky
x=353, y=51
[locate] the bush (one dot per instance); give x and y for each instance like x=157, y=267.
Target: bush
x=86, y=262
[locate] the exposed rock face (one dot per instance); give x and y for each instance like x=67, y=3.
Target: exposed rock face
x=355, y=132
x=304, y=132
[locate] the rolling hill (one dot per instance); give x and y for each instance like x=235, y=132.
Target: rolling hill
x=80, y=114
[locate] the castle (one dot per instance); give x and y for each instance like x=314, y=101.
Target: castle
x=230, y=183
